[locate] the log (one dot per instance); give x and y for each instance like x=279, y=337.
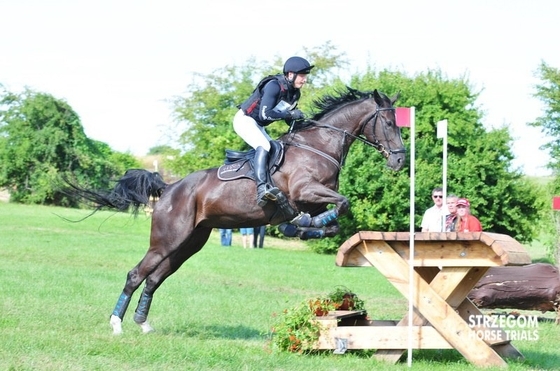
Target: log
x=528, y=287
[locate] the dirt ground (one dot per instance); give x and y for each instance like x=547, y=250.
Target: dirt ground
x=4, y=196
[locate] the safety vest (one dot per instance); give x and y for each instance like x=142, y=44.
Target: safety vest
x=252, y=105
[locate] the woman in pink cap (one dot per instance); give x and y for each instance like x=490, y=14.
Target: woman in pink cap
x=465, y=221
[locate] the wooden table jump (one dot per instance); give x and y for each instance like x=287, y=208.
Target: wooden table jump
x=446, y=268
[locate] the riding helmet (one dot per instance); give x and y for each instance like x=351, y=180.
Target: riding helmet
x=297, y=65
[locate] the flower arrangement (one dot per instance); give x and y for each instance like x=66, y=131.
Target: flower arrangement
x=296, y=330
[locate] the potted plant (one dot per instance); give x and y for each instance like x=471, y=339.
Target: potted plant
x=344, y=299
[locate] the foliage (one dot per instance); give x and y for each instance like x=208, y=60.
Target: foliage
x=41, y=137
x=548, y=91
x=296, y=330
x=163, y=150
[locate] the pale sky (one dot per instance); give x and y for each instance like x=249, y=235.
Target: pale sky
x=116, y=62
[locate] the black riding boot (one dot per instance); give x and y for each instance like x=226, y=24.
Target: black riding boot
x=265, y=191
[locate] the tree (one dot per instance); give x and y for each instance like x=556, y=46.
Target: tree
x=548, y=91
x=42, y=138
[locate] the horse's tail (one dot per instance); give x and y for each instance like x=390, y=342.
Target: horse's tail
x=133, y=190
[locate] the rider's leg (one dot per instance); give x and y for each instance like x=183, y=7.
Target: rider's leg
x=265, y=191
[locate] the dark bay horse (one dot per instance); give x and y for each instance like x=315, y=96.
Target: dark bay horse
x=189, y=209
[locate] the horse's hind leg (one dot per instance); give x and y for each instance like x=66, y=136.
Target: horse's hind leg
x=165, y=269
x=133, y=280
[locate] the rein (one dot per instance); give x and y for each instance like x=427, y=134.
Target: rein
x=376, y=144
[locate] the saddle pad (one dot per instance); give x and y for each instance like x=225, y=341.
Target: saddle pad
x=237, y=170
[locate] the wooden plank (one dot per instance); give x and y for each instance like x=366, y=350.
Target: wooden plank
x=382, y=337
x=440, y=315
x=448, y=254
x=447, y=292
x=341, y=314
x=480, y=248
x=504, y=348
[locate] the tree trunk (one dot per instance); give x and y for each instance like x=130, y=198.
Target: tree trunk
x=528, y=287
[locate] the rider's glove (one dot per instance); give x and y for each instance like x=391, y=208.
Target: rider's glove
x=296, y=115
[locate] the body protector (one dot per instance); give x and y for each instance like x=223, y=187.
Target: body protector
x=272, y=100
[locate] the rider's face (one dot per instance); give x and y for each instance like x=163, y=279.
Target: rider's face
x=299, y=80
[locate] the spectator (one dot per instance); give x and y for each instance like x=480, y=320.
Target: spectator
x=225, y=236
x=451, y=218
x=433, y=218
x=246, y=236
x=258, y=236
x=465, y=221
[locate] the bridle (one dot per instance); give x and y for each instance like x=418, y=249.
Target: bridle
x=376, y=143
x=386, y=152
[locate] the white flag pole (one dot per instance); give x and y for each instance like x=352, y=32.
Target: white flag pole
x=411, y=232
x=442, y=133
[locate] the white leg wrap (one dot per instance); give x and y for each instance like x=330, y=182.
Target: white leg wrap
x=145, y=326
x=116, y=324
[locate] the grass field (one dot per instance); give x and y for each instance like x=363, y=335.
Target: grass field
x=59, y=281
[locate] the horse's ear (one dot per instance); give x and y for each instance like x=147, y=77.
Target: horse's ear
x=395, y=97
x=377, y=97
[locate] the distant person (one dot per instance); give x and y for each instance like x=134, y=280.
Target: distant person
x=225, y=236
x=451, y=218
x=258, y=236
x=465, y=221
x=434, y=217
x=246, y=237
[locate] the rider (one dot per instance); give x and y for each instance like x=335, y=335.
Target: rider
x=275, y=98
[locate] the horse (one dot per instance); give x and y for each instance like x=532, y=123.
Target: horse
x=190, y=208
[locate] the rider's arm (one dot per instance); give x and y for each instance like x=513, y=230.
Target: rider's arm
x=269, y=109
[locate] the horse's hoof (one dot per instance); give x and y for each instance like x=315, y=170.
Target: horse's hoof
x=146, y=328
x=116, y=324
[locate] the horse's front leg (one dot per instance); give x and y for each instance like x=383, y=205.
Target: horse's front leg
x=324, y=224
x=319, y=194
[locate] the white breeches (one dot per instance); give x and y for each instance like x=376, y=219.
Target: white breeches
x=251, y=132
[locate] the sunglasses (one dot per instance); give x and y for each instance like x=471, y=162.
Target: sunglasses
x=437, y=196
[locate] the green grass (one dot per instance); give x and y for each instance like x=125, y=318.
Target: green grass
x=60, y=280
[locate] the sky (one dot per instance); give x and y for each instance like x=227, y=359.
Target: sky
x=119, y=63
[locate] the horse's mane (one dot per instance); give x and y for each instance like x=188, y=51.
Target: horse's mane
x=339, y=98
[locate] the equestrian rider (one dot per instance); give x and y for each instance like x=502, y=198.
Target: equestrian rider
x=275, y=98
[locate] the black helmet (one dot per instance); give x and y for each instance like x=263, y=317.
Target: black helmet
x=297, y=65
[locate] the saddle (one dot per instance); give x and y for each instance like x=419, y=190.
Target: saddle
x=239, y=164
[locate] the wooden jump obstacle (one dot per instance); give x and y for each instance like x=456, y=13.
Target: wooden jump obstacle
x=446, y=267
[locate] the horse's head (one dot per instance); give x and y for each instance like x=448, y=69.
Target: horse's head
x=381, y=129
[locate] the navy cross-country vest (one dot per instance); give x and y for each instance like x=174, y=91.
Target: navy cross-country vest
x=251, y=106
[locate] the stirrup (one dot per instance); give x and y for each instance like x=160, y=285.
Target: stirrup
x=270, y=193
